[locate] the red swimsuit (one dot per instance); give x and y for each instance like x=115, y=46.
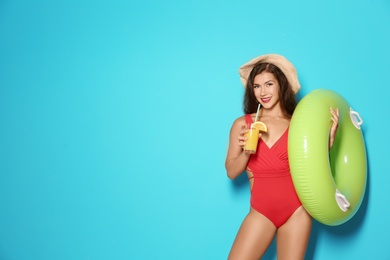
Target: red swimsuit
x=273, y=193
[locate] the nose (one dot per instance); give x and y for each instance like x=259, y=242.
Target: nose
x=262, y=91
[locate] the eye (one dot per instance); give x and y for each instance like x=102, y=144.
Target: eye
x=269, y=84
x=256, y=86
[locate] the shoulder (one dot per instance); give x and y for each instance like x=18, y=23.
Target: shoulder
x=239, y=122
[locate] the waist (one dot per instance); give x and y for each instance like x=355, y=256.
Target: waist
x=268, y=174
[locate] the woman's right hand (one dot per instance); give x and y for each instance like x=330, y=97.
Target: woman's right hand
x=241, y=138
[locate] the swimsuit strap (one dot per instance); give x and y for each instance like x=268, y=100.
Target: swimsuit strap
x=248, y=120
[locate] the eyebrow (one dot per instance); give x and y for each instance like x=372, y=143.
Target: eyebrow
x=268, y=81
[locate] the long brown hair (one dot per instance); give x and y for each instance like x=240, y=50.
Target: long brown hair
x=286, y=95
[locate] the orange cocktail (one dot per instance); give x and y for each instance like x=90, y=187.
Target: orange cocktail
x=253, y=136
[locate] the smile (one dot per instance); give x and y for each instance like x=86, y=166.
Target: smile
x=265, y=100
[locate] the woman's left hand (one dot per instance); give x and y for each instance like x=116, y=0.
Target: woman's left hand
x=333, y=129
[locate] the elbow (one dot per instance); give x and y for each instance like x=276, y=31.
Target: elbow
x=229, y=172
x=231, y=176
x=232, y=170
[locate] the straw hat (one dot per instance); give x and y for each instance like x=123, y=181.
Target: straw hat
x=281, y=62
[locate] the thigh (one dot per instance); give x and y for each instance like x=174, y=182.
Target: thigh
x=253, y=238
x=293, y=237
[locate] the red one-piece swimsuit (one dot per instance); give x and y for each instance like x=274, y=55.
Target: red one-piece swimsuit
x=273, y=193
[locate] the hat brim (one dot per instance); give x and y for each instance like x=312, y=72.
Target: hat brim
x=281, y=62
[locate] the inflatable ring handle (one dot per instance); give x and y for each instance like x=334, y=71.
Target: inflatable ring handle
x=342, y=201
x=356, y=119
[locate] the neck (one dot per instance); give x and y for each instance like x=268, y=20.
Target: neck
x=275, y=111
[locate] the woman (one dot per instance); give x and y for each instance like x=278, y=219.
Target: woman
x=270, y=80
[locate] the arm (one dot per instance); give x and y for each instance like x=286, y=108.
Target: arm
x=333, y=129
x=237, y=159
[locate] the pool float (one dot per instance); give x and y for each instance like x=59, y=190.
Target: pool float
x=330, y=184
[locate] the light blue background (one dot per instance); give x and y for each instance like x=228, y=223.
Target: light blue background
x=115, y=118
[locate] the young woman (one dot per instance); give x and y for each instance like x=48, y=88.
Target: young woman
x=270, y=80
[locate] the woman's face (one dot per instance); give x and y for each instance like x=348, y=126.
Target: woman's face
x=266, y=89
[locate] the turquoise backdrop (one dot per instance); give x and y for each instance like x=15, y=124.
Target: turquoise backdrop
x=115, y=117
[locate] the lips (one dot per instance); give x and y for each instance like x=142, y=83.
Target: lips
x=265, y=100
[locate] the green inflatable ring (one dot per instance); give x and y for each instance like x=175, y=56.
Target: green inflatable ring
x=330, y=185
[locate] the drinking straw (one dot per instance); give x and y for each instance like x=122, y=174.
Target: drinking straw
x=257, y=113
